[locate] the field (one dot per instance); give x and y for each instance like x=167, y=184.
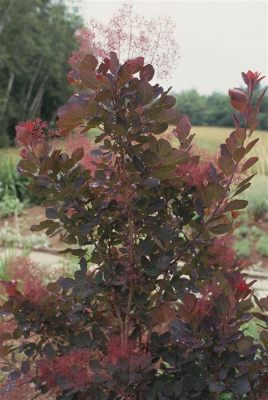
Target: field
x=209, y=138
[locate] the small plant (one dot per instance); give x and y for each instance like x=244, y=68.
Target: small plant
x=257, y=196
x=10, y=205
x=242, y=231
x=4, y=262
x=160, y=314
x=262, y=246
x=14, y=187
x=12, y=237
x=256, y=232
x=243, y=248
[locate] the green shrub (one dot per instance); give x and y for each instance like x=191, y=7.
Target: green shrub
x=14, y=185
x=262, y=246
x=226, y=396
x=243, y=248
x=4, y=262
x=242, y=231
x=10, y=205
x=257, y=196
x=256, y=232
x=12, y=237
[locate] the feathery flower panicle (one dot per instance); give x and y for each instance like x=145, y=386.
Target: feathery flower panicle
x=129, y=35
x=26, y=280
x=118, y=350
x=30, y=132
x=221, y=252
x=194, y=174
x=73, y=367
x=77, y=141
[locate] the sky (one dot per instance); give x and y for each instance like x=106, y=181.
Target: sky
x=217, y=39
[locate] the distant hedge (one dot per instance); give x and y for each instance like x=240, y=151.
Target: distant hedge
x=213, y=110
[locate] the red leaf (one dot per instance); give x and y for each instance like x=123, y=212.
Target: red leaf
x=72, y=114
x=238, y=99
x=183, y=127
x=249, y=163
x=147, y=72
x=114, y=63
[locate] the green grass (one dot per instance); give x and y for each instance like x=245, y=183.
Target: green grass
x=10, y=152
x=209, y=138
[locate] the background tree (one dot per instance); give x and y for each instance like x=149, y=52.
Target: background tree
x=214, y=109
x=193, y=104
x=36, y=37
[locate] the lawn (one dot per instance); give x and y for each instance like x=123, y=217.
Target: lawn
x=210, y=137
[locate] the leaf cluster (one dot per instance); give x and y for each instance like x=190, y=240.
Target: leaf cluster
x=159, y=304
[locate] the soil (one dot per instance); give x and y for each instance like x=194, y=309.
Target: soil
x=31, y=216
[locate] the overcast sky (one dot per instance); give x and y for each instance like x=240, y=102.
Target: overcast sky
x=217, y=39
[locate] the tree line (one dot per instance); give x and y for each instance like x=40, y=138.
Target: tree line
x=213, y=109
x=36, y=39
